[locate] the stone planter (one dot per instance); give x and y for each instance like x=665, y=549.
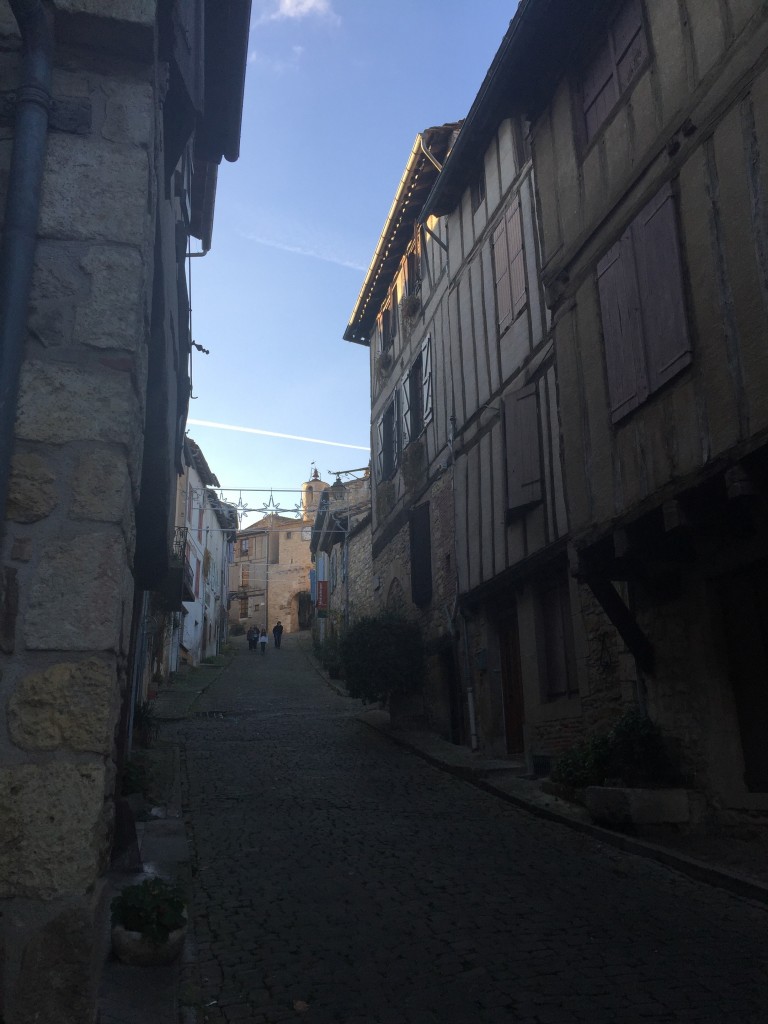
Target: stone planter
x=618, y=807
x=134, y=948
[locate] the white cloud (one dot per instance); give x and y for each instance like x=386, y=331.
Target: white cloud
x=276, y=65
x=304, y=250
x=294, y=10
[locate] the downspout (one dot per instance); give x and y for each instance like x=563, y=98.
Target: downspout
x=22, y=208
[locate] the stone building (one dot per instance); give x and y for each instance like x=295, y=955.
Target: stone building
x=123, y=112
x=341, y=547
x=269, y=574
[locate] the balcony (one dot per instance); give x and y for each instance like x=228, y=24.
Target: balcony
x=179, y=583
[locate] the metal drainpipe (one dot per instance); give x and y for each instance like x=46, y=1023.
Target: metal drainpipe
x=22, y=209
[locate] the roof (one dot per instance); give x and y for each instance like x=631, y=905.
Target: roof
x=544, y=40
x=196, y=459
x=431, y=145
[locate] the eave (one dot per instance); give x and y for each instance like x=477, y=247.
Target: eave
x=415, y=185
x=545, y=40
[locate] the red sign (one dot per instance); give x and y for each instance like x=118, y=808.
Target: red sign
x=322, y=595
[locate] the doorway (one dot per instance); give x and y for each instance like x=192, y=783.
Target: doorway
x=744, y=604
x=512, y=683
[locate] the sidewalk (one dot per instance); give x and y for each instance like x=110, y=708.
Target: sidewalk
x=730, y=862
x=157, y=995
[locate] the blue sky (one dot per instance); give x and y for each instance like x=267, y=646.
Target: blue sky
x=336, y=92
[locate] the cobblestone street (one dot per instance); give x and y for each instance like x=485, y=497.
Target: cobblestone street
x=339, y=878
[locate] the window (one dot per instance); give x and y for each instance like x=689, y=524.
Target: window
x=477, y=190
x=189, y=504
x=521, y=432
x=417, y=395
x=245, y=575
x=244, y=546
x=243, y=607
x=197, y=577
x=614, y=67
x=413, y=272
x=557, y=663
x=642, y=304
x=388, y=441
x=421, y=556
x=509, y=266
x=389, y=322
x=200, y=523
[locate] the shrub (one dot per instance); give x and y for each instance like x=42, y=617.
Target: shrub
x=633, y=752
x=381, y=655
x=154, y=908
x=329, y=653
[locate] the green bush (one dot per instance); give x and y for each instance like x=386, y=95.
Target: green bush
x=633, y=753
x=155, y=908
x=329, y=653
x=381, y=655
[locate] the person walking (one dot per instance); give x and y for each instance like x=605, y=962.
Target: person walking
x=263, y=641
x=277, y=633
x=251, y=637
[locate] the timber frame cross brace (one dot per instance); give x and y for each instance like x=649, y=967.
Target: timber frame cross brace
x=622, y=618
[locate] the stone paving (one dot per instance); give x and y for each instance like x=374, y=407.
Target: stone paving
x=339, y=878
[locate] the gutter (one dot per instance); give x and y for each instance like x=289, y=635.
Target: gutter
x=22, y=209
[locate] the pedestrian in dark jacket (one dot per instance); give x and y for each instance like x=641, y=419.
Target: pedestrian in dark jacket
x=251, y=637
x=277, y=632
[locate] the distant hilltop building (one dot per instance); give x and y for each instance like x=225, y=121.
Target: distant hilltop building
x=269, y=577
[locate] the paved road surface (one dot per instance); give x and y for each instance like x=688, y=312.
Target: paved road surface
x=342, y=879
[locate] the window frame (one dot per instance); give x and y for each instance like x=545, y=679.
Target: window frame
x=509, y=267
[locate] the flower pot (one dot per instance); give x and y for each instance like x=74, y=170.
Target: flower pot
x=135, y=948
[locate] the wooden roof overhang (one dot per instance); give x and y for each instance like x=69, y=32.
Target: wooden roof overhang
x=415, y=185
x=545, y=40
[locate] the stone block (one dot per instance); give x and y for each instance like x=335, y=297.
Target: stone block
x=60, y=403
x=58, y=285
x=95, y=191
x=113, y=315
x=129, y=112
x=72, y=704
x=616, y=806
x=75, y=602
x=53, y=829
x=32, y=493
x=101, y=486
x=141, y=12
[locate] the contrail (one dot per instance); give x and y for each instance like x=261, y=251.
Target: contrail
x=274, y=433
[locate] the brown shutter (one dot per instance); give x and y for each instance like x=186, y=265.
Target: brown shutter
x=502, y=277
x=599, y=90
x=516, y=257
x=421, y=556
x=660, y=280
x=622, y=328
x=521, y=417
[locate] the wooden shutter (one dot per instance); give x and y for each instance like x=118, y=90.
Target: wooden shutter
x=405, y=418
x=521, y=422
x=599, y=90
x=421, y=556
x=380, y=448
x=629, y=44
x=622, y=328
x=426, y=370
x=516, y=257
x=502, y=277
x=660, y=281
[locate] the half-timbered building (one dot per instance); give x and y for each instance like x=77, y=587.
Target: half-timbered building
x=650, y=146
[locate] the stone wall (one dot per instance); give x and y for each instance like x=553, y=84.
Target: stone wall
x=70, y=533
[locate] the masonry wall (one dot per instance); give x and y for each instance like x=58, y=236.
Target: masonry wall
x=69, y=543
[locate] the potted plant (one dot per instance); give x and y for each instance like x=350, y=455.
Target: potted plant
x=149, y=922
